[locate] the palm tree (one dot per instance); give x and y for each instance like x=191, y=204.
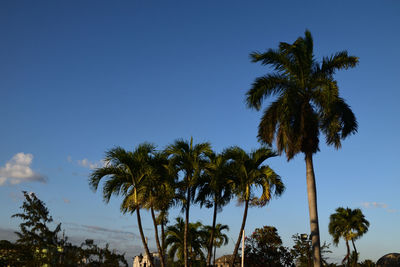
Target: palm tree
x=215, y=191
x=158, y=195
x=190, y=160
x=249, y=174
x=175, y=240
x=305, y=102
x=219, y=238
x=347, y=224
x=125, y=173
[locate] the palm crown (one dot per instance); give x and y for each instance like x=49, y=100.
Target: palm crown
x=125, y=174
x=347, y=223
x=306, y=98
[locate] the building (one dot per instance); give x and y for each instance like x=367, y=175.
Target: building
x=225, y=260
x=144, y=261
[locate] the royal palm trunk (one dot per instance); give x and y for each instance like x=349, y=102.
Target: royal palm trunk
x=312, y=206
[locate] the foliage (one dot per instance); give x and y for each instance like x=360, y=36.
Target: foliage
x=249, y=174
x=307, y=98
x=264, y=248
x=215, y=190
x=196, y=241
x=302, y=251
x=125, y=173
x=190, y=160
x=350, y=225
x=39, y=246
x=305, y=102
x=367, y=263
x=40, y=242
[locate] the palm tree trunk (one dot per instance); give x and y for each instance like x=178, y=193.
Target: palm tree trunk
x=162, y=237
x=355, y=250
x=146, y=248
x=312, y=206
x=235, y=251
x=211, y=242
x=185, y=249
x=160, y=252
x=215, y=252
x=348, y=254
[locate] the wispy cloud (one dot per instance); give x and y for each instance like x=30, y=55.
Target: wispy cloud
x=18, y=170
x=112, y=233
x=86, y=163
x=377, y=205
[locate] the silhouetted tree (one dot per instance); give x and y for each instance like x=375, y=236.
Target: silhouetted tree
x=305, y=102
x=264, y=249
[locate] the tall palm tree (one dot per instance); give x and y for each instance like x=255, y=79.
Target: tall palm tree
x=215, y=191
x=158, y=195
x=175, y=240
x=190, y=160
x=347, y=224
x=305, y=102
x=125, y=174
x=249, y=174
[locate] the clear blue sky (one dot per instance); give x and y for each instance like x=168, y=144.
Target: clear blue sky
x=80, y=77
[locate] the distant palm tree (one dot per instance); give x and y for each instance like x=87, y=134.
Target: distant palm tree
x=305, y=102
x=215, y=191
x=347, y=224
x=125, y=174
x=248, y=173
x=219, y=238
x=175, y=240
x=190, y=160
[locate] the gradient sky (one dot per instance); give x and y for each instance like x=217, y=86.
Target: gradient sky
x=80, y=77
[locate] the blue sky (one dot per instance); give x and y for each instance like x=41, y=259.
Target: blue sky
x=80, y=77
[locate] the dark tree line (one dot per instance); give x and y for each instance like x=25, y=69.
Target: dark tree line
x=38, y=245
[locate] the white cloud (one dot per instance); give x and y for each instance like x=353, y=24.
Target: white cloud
x=377, y=205
x=87, y=163
x=18, y=170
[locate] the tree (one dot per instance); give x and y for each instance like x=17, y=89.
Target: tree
x=367, y=263
x=39, y=246
x=195, y=241
x=125, y=173
x=305, y=103
x=264, y=248
x=94, y=255
x=248, y=173
x=302, y=251
x=214, y=191
x=159, y=195
x=35, y=236
x=350, y=225
x=190, y=160
x=215, y=235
